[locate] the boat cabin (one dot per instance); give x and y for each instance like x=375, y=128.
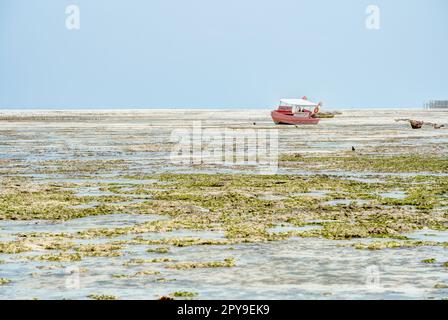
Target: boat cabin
x=295, y=106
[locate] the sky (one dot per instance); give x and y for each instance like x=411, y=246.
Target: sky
x=222, y=53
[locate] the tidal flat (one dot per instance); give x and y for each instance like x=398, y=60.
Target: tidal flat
x=92, y=206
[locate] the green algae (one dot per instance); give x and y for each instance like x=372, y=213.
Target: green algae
x=60, y=257
x=347, y=230
x=159, y=250
x=77, y=167
x=36, y=243
x=137, y=274
x=50, y=267
x=135, y=262
x=4, y=281
x=230, y=203
x=102, y=297
x=429, y=261
x=48, y=206
x=121, y=276
x=176, y=242
x=360, y=162
x=184, y=294
x=227, y=263
x=27, y=201
x=146, y=273
x=14, y=247
x=99, y=250
x=396, y=244
x=164, y=280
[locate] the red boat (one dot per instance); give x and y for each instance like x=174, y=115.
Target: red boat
x=296, y=111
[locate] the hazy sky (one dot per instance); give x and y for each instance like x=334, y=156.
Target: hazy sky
x=226, y=53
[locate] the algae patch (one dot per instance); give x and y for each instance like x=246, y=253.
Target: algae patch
x=227, y=263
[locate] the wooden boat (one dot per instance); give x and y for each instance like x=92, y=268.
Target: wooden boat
x=324, y=115
x=296, y=112
x=416, y=124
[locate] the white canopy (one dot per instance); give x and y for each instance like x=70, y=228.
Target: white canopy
x=298, y=102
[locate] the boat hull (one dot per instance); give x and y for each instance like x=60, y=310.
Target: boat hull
x=289, y=119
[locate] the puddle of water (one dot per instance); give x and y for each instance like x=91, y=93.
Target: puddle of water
x=345, y=202
x=271, y=197
x=130, y=202
x=313, y=194
x=429, y=235
x=92, y=192
x=127, y=189
x=81, y=224
x=394, y=194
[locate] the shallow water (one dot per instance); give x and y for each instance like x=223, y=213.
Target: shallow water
x=429, y=235
x=298, y=268
x=394, y=194
x=289, y=269
x=312, y=194
x=345, y=202
x=75, y=225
